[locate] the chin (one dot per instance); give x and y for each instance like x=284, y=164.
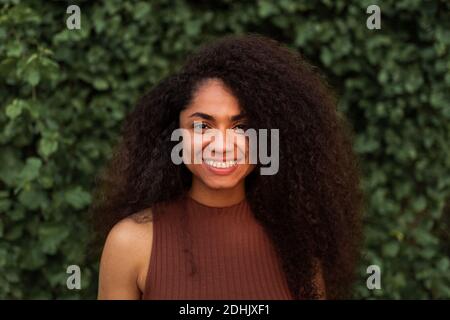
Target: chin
x=220, y=183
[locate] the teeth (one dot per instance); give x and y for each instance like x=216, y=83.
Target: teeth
x=220, y=164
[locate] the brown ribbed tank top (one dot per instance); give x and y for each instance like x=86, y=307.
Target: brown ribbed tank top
x=212, y=253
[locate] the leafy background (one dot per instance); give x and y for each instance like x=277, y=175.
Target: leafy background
x=64, y=93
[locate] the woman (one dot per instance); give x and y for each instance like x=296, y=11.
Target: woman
x=219, y=229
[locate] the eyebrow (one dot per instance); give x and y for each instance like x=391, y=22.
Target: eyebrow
x=211, y=118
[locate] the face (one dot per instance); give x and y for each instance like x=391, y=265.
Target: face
x=215, y=124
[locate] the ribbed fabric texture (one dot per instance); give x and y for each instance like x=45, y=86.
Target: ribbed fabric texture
x=202, y=252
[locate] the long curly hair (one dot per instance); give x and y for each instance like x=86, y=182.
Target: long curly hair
x=311, y=209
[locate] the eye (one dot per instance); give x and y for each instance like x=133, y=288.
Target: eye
x=241, y=126
x=200, y=125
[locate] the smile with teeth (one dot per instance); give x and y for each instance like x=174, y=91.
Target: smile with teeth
x=221, y=164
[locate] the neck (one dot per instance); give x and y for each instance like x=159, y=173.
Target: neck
x=216, y=197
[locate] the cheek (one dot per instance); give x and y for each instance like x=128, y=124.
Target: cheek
x=195, y=169
x=192, y=147
x=244, y=150
x=248, y=168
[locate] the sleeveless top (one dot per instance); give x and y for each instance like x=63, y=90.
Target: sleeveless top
x=212, y=253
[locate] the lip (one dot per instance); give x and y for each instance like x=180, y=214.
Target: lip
x=220, y=171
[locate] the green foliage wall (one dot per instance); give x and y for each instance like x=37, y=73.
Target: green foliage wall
x=64, y=93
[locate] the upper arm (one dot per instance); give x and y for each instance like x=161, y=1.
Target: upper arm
x=125, y=256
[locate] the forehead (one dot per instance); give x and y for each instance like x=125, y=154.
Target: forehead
x=213, y=98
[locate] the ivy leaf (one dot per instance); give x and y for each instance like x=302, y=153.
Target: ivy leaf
x=33, y=199
x=15, y=108
x=51, y=236
x=391, y=249
x=31, y=169
x=32, y=76
x=77, y=197
x=47, y=147
x=100, y=84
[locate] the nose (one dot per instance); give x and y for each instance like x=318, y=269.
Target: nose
x=223, y=145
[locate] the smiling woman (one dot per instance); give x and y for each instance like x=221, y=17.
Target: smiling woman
x=217, y=228
x=216, y=108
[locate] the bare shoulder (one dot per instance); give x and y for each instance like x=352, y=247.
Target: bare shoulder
x=132, y=230
x=127, y=251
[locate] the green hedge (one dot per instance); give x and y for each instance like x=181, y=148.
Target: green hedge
x=64, y=93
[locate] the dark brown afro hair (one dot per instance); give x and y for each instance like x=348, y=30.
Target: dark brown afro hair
x=311, y=209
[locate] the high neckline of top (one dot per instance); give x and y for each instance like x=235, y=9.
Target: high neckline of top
x=199, y=204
